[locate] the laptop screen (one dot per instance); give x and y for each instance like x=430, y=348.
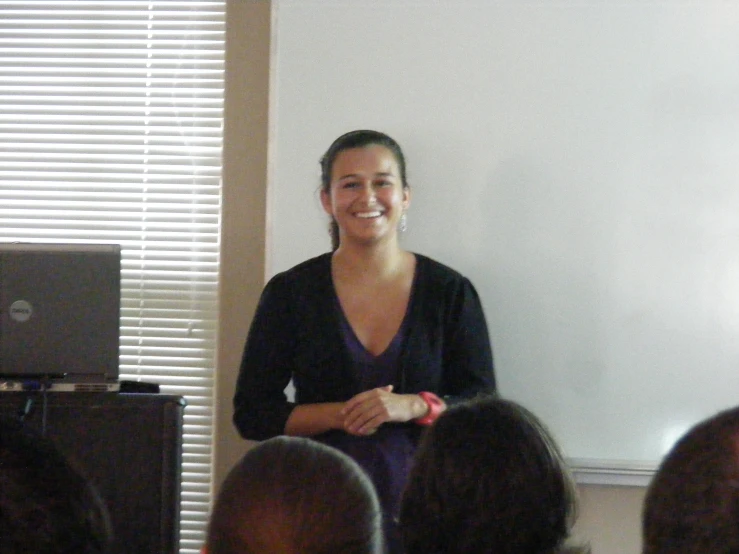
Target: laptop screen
x=60, y=311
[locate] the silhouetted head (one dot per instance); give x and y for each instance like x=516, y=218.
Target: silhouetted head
x=294, y=495
x=488, y=478
x=692, y=503
x=46, y=505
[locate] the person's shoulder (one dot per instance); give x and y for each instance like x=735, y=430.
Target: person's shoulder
x=305, y=272
x=437, y=272
x=318, y=264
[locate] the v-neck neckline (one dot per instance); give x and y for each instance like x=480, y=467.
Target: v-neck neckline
x=344, y=320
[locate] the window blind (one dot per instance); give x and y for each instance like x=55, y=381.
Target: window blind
x=111, y=132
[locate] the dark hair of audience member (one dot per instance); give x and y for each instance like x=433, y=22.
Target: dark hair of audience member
x=692, y=503
x=488, y=478
x=295, y=495
x=46, y=505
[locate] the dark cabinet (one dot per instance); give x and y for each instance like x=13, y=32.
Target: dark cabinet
x=129, y=446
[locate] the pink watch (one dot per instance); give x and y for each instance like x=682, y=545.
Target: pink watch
x=435, y=405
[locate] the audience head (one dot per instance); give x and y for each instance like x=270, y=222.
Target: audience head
x=294, y=495
x=357, y=139
x=46, y=506
x=692, y=503
x=488, y=478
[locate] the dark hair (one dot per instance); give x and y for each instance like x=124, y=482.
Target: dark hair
x=488, y=477
x=357, y=139
x=692, y=503
x=291, y=494
x=46, y=505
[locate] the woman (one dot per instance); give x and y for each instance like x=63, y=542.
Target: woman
x=376, y=339
x=294, y=495
x=488, y=478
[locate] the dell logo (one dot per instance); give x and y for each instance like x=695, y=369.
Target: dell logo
x=20, y=311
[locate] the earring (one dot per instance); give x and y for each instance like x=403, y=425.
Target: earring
x=403, y=223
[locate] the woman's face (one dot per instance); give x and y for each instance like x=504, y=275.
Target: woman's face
x=366, y=196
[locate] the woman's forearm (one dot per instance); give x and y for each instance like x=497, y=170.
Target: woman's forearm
x=313, y=419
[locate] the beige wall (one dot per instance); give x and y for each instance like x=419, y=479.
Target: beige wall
x=244, y=204
x=609, y=518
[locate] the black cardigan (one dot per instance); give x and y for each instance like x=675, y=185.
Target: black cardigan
x=296, y=334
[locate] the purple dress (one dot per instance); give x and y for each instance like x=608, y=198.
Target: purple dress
x=387, y=454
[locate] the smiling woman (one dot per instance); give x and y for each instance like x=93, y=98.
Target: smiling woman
x=367, y=193
x=362, y=155
x=377, y=340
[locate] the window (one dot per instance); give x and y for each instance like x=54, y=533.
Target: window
x=111, y=132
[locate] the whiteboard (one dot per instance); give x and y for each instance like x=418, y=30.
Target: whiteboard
x=578, y=160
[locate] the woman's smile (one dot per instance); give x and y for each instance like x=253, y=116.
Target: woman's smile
x=367, y=196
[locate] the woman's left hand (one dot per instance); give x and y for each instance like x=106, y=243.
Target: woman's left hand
x=366, y=411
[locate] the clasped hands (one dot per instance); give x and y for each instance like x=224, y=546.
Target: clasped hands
x=364, y=413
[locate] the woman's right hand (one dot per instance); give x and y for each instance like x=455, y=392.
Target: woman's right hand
x=367, y=411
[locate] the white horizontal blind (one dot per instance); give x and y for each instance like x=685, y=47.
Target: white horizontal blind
x=111, y=132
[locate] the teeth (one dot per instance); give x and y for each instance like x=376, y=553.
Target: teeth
x=368, y=215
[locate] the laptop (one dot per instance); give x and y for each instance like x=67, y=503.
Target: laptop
x=60, y=316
